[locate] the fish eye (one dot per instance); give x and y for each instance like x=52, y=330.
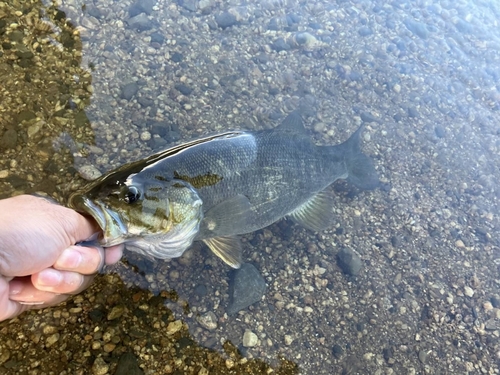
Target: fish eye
x=132, y=195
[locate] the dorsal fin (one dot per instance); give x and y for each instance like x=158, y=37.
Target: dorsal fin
x=292, y=123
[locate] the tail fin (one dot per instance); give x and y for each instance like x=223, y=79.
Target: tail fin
x=360, y=169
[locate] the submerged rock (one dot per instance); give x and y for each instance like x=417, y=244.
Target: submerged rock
x=247, y=286
x=349, y=261
x=128, y=365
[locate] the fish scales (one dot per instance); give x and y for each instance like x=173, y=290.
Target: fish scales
x=218, y=187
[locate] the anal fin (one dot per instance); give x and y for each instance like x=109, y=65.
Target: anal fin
x=315, y=214
x=229, y=249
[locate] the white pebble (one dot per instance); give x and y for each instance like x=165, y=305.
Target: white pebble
x=468, y=291
x=145, y=136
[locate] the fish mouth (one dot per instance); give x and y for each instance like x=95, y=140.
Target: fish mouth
x=114, y=231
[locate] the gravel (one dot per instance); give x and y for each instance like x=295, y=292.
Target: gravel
x=421, y=76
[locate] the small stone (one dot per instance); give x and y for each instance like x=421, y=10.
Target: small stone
x=495, y=300
x=23, y=52
x=492, y=325
x=49, y=330
x=4, y=173
x=183, y=89
x=89, y=172
x=52, y=339
x=349, y=261
x=417, y=28
x=397, y=88
x=116, y=312
x=16, y=36
x=208, y=320
x=145, y=136
x=288, y=340
x=109, y=347
x=33, y=129
x=459, y=243
x=9, y=139
x=468, y=291
x=422, y=356
x=127, y=365
x=365, y=31
x=225, y=20
x=141, y=22
x=337, y=350
x=100, y=367
x=129, y=90
x=4, y=355
x=280, y=45
x=250, y=339
x=174, y=327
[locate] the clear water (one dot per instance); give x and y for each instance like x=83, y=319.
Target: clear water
x=86, y=88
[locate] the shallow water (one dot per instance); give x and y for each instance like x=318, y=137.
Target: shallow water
x=89, y=86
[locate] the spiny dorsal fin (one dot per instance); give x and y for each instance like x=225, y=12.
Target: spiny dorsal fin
x=315, y=214
x=226, y=248
x=292, y=123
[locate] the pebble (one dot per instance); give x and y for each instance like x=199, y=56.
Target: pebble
x=116, y=312
x=247, y=287
x=127, y=365
x=89, y=172
x=4, y=355
x=208, y=320
x=52, y=339
x=9, y=139
x=141, y=22
x=288, y=340
x=100, y=367
x=4, y=173
x=417, y=28
x=129, y=90
x=422, y=355
x=174, y=327
x=250, y=339
x=468, y=291
x=145, y=136
x=349, y=261
x=225, y=20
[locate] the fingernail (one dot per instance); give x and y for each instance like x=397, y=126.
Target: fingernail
x=49, y=277
x=69, y=260
x=15, y=287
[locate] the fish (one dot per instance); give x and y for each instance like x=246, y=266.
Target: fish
x=218, y=187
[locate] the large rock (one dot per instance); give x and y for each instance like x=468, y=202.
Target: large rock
x=246, y=287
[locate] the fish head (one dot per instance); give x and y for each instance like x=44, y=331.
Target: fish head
x=150, y=214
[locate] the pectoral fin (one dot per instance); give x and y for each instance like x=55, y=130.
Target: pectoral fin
x=315, y=214
x=227, y=217
x=226, y=248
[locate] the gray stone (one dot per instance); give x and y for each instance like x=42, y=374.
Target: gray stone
x=280, y=45
x=9, y=139
x=185, y=90
x=141, y=22
x=250, y=339
x=127, y=365
x=247, y=286
x=208, y=320
x=129, y=90
x=349, y=261
x=225, y=20
x=16, y=36
x=188, y=4
x=417, y=28
x=141, y=6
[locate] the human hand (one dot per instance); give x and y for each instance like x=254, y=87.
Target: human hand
x=40, y=265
